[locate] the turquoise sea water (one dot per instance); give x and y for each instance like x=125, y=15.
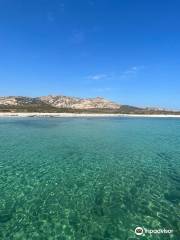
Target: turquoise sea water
x=89, y=178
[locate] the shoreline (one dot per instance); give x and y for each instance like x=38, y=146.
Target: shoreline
x=60, y=115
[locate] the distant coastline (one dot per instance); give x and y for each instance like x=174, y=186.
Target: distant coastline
x=60, y=106
x=60, y=115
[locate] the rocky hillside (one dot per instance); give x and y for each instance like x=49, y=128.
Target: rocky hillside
x=17, y=101
x=71, y=104
x=55, y=103
x=79, y=103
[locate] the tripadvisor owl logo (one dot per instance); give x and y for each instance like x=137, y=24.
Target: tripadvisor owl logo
x=142, y=231
x=139, y=231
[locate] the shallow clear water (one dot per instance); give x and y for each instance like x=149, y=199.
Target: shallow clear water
x=89, y=179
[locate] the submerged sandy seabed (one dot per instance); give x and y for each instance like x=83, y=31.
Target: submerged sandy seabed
x=84, y=115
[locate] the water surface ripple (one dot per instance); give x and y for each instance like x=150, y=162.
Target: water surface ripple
x=88, y=179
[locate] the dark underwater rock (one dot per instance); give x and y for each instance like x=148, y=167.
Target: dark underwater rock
x=5, y=217
x=173, y=197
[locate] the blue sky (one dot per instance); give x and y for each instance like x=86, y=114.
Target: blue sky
x=127, y=51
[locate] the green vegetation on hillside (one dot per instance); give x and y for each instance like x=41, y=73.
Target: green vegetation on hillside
x=45, y=108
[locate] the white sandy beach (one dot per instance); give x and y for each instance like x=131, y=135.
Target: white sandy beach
x=84, y=115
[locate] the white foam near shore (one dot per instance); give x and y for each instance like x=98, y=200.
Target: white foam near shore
x=85, y=115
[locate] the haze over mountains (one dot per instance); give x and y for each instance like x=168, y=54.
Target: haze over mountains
x=70, y=104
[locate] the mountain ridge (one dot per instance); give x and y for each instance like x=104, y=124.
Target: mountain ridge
x=61, y=103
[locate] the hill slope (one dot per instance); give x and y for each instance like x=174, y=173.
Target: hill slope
x=79, y=103
x=71, y=104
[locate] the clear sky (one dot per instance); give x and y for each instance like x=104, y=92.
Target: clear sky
x=124, y=50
